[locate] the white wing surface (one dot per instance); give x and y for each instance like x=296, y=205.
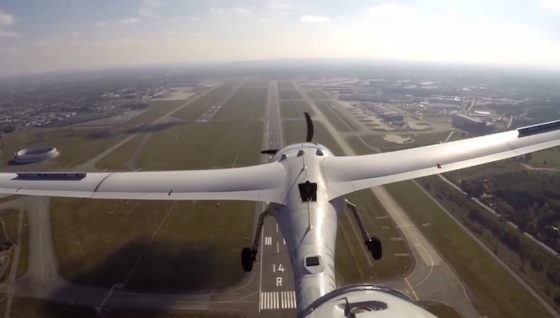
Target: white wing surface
x=255, y=183
x=353, y=173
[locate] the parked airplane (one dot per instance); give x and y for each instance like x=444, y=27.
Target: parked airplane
x=305, y=185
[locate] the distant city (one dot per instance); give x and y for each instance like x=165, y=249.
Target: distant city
x=477, y=101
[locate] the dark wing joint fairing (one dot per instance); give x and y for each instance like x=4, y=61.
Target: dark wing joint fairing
x=538, y=129
x=51, y=175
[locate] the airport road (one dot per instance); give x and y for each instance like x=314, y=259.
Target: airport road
x=276, y=283
x=431, y=278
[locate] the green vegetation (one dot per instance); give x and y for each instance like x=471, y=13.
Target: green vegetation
x=117, y=159
x=454, y=243
x=334, y=118
x=36, y=308
x=285, y=85
x=248, y=104
x=205, y=259
x=295, y=109
x=537, y=267
x=289, y=94
x=494, y=292
x=9, y=224
x=549, y=158
x=439, y=310
x=156, y=109
x=165, y=246
x=316, y=93
x=199, y=105
x=528, y=198
x=294, y=132
x=76, y=145
x=217, y=144
x=540, y=114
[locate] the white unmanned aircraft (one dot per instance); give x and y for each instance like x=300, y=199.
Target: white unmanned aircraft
x=305, y=185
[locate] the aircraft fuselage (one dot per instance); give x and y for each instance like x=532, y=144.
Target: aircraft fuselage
x=308, y=219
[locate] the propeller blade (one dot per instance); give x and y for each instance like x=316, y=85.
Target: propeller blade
x=309, y=127
x=269, y=151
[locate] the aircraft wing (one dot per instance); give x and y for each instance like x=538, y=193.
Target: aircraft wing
x=352, y=173
x=255, y=183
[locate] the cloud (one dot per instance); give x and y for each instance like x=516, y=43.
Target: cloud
x=6, y=20
x=6, y=34
x=149, y=7
x=41, y=44
x=279, y=5
x=392, y=11
x=552, y=5
x=314, y=19
x=240, y=11
x=130, y=20
x=236, y=10
x=101, y=24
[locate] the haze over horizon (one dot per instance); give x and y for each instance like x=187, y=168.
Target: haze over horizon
x=57, y=35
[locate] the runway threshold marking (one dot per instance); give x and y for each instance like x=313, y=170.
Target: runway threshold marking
x=277, y=300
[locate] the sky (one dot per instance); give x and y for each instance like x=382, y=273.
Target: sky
x=59, y=35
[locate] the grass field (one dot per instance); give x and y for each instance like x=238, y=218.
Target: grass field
x=440, y=310
x=494, y=292
x=295, y=109
x=288, y=94
x=35, y=308
x=9, y=221
x=197, y=107
x=248, y=104
x=334, y=117
x=462, y=207
x=76, y=145
x=285, y=85
x=183, y=246
x=549, y=158
x=203, y=145
x=156, y=109
x=316, y=93
x=117, y=159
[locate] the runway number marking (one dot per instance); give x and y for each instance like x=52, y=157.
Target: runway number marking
x=278, y=281
x=268, y=240
x=279, y=268
x=277, y=300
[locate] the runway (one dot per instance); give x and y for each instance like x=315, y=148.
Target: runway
x=276, y=283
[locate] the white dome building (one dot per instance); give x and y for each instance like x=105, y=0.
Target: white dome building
x=34, y=154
